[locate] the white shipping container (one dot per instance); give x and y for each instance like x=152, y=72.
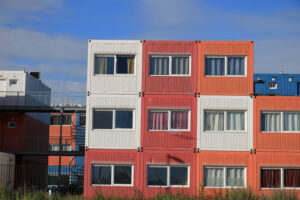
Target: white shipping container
x=117, y=82
x=7, y=170
x=114, y=138
x=228, y=132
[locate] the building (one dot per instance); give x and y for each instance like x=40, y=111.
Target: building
x=176, y=116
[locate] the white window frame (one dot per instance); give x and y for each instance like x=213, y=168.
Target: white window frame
x=275, y=87
x=169, y=176
x=226, y=65
x=115, y=64
x=225, y=121
x=169, y=111
x=113, y=174
x=281, y=121
x=281, y=178
x=225, y=176
x=114, y=119
x=170, y=56
x=11, y=125
x=62, y=124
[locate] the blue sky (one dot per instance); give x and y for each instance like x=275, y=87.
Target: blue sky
x=51, y=36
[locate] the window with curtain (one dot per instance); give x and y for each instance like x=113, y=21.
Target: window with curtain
x=159, y=65
x=125, y=64
x=291, y=121
x=236, y=66
x=213, y=177
x=235, y=121
x=235, y=177
x=270, y=122
x=214, y=66
x=179, y=119
x=168, y=120
x=180, y=65
x=104, y=64
x=111, y=174
x=291, y=178
x=225, y=65
x=270, y=178
x=213, y=121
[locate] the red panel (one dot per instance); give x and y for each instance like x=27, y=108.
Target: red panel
x=275, y=141
x=169, y=139
x=96, y=156
x=168, y=158
x=225, y=85
x=224, y=159
x=275, y=159
x=169, y=84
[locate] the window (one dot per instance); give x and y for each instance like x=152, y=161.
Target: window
x=55, y=147
x=82, y=120
x=224, y=177
x=168, y=120
x=13, y=82
x=272, y=85
x=114, y=64
x=175, y=176
x=12, y=125
x=280, y=178
x=280, y=121
x=163, y=65
x=113, y=119
x=224, y=121
x=55, y=120
x=112, y=174
x=225, y=65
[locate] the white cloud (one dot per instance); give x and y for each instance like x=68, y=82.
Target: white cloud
x=21, y=43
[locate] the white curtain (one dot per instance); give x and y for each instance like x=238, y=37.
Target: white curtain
x=236, y=66
x=214, y=66
x=291, y=121
x=270, y=122
x=54, y=147
x=180, y=65
x=214, y=121
x=235, y=177
x=214, y=177
x=159, y=65
x=236, y=121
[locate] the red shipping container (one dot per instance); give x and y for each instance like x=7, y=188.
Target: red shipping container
x=177, y=131
x=94, y=157
x=225, y=84
x=173, y=82
x=164, y=159
x=223, y=160
x=275, y=138
x=277, y=170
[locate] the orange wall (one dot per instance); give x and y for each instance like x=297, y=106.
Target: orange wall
x=225, y=85
x=275, y=141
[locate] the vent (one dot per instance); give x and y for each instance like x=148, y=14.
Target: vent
x=12, y=125
x=272, y=85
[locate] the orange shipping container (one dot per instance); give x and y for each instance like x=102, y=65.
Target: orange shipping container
x=225, y=68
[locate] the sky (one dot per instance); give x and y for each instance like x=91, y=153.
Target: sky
x=51, y=36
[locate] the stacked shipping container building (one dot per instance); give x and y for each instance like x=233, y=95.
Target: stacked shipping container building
x=175, y=116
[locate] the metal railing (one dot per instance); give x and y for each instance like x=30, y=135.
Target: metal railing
x=40, y=144
x=37, y=177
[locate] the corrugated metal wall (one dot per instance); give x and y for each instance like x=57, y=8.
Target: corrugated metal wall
x=169, y=139
x=225, y=85
x=110, y=138
x=276, y=141
x=225, y=141
x=115, y=83
x=170, y=84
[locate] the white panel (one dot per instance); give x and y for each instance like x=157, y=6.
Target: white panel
x=114, y=139
x=7, y=170
x=7, y=159
x=229, y=141
x=117, y=83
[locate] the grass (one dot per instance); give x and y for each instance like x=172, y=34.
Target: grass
x=230, y=194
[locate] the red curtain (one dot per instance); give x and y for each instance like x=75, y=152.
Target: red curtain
x=158, y=121
x=292, y=178
x=270, y=178
x=179, y=120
